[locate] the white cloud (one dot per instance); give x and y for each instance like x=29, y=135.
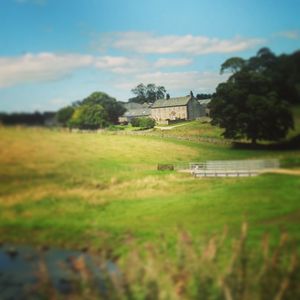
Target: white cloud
x=40, y=67
x=291, y=34
x=172, y=62
x=43, y=67
x=178, y=81
x=145, y=42
x=120, y=64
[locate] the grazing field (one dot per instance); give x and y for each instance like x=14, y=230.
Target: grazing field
x=77, y=189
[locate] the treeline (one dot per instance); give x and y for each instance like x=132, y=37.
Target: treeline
x=98, y=110
x=29, y=119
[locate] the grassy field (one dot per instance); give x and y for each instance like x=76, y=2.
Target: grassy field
x=72, y=189
x=195, y=129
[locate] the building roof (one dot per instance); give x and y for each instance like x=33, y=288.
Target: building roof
x=179, y=101
x=204, y=102
x=138, y=112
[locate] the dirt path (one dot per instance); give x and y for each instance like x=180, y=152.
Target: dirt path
x=275, y=171
x=285, y=171
x=170, y=127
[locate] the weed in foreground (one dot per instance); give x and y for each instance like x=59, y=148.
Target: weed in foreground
x=221, y=269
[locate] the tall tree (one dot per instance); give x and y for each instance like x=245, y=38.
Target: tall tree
x=248, y=105
x=232, y=65
x=140, y=93
x=160, y=92
x=151, y=92
x=64, y=115
x=113, y=108
x=89, y=116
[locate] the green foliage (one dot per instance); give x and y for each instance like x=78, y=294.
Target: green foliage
x=64, y=115
x=112, y=108
x=147, y=93
x=89, y=116
x=143, y=122
x=233, y=64
x=248, y=105
x=203, y=96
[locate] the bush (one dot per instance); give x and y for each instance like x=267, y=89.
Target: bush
x=143, y=122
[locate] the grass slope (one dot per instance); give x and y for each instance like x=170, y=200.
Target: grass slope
x=77, y=189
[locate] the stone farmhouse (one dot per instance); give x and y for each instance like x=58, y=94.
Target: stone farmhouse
x=180, y=108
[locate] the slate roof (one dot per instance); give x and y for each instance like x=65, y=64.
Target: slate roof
x=179, y=101
x=138, y=112
x=204, y=102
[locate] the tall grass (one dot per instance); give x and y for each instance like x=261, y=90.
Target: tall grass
x=222, y=268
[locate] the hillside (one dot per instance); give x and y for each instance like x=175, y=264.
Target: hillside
x=72, y=189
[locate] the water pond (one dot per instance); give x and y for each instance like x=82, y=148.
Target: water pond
x=23, y=269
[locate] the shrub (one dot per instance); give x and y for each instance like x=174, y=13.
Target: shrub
x=143, y=122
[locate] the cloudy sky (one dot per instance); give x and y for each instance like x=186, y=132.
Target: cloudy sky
x=53, y=52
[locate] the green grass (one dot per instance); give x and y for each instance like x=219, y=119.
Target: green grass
x=195, y=129
x=73, y=189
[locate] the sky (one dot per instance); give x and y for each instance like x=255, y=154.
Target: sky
x=55, y=52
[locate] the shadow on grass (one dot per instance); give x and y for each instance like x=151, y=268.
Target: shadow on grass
x=291, y=144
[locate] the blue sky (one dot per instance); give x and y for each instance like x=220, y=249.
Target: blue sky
x=53, y=52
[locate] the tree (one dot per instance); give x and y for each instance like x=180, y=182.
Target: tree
x=140, y=92
x=203, y=96
x=150, y=92
x=147, y=93
x=112, y=108
x=248, y=104
x=160, y=92
x=64, y=115
x=89, y=116
x=233, y=65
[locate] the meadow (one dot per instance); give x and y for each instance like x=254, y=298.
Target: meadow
x=94, y=190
